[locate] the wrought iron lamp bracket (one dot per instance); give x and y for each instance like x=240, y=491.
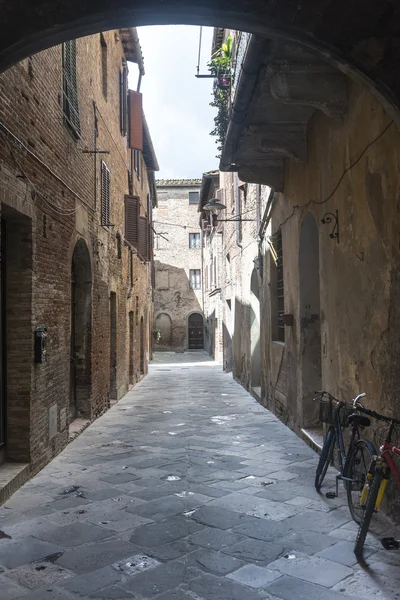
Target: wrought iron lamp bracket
x=329, y=218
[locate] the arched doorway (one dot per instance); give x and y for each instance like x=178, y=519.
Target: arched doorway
x=195, y=332
x=255, y=330
x=310, y=320
x=81, y=330
x=164, y=324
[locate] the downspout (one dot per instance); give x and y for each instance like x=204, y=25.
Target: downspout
x=256, y=54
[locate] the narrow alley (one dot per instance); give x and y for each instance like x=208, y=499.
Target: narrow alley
x=186, y=489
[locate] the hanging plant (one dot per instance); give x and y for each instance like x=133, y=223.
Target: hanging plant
x=220, y=65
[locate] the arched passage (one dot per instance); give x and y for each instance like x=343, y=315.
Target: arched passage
x=81, y=332
x=164, y=324
x=255, y=330
x=362, y=40
x=310, y=319
x=196, y=332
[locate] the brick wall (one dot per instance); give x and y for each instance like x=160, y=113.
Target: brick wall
x=50, y=192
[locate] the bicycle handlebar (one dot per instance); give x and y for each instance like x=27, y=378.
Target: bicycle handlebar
x=356, y=405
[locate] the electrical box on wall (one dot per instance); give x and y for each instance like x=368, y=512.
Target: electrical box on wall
x=40, y=343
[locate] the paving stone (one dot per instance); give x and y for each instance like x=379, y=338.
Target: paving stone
x=263, y=529
x=367, y=583
x=170, y=530
x=87, y=583
x=214, y=516
x=254, y=576
x=46, y=594
x=319, y=522
x=255, y=551
x=38, y=574
x=66, y=503
x=120, y=478
x=217, y=588
x=249, y=505
x=209, y=537
x=172, y=550
x=104, y=494
x=74, y=535
x=212, y=562
x=312, y=569
x=291, y=588
x=161, y=508
x=157, y=581
x=86, y=558
x=10, y=590
x=15, y=554
x=114, y=592
x=343, y=553
x=308, y=542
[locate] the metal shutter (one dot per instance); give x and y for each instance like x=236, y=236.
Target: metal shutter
x=132, y=210
x=105, y=194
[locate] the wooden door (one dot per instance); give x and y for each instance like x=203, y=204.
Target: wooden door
x=196, y=332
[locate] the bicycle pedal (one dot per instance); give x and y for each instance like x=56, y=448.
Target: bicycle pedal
x=330, y=495
x=390, y=543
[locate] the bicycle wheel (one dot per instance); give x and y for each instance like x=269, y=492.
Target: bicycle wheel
x=356, y=469
x=369, y=511
x=325, y=458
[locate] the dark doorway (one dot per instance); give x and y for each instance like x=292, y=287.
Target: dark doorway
x=131, y=340
x=81, y=332
x=141, y=345
x=310, y=321
x=196, y=332
x=3, y=346
x=113, y=346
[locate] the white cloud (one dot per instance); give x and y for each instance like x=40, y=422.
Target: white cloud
x=176, y=104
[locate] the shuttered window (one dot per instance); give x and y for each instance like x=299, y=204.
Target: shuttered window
x=123, y=100
x=195, y=279
x=143, y=238
x=70, y=88
x=105, y=195
x=135, y=120
x=132, y=210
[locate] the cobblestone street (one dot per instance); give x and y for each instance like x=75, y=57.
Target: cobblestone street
x=186, y=489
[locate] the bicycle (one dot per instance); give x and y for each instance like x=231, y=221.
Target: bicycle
x=354, y=462
x=381, y=467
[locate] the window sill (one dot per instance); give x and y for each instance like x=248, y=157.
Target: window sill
x=278, y=343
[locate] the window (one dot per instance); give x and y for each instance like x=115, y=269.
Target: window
x=123, y=100
x=105, y=195
x=132, y=210
x=136, y=162
x=103, y=45
x=193, y=197
x=70, y=88
x=278, y=300
x=194, y=240
x=195, y=279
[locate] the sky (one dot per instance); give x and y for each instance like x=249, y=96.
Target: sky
x=176, y=104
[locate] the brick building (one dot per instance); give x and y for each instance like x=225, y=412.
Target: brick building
x=77, y=191
x=178, y=299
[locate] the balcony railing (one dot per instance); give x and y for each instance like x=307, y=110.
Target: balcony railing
x=238, y=58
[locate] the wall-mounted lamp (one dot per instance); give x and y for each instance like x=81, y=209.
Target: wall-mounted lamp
x=332, y=218
x=215, y=204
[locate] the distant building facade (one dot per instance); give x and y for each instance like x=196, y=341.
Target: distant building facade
x=178, y=296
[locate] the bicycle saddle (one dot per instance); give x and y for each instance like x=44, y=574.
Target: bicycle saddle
x=359, y=421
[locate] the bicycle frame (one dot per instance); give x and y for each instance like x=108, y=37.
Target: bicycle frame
x=341, y=449
x=387, y=462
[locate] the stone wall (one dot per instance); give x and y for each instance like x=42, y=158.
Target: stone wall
x=50, y=189
x=174, y=220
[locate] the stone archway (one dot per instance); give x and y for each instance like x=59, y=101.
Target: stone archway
x=361, y=39
x=164, y=324
x=310, y=320
x=255, y=367
x=81, y=332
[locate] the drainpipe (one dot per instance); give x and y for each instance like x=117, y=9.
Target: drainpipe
x=256, y=55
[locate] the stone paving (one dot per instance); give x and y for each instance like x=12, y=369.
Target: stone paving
x=186, y=489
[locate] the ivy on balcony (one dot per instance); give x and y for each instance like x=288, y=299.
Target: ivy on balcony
x=220, y=65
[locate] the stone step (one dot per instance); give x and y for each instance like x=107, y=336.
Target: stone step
x=12, y=476
x=314, y=437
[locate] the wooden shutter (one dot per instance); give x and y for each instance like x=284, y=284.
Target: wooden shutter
x=135, y=120
x=132, y=210
x=123, y=100
x=70, y=87
x=143, y=237
x=149, y=242
x=105, y=194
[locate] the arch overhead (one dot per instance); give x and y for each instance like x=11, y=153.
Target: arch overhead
x=359, y=37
